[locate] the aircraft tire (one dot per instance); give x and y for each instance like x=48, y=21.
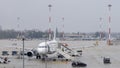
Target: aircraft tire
x=38, y=57
x=54, y=59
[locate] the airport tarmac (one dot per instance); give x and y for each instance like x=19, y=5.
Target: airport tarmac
x=92, y=55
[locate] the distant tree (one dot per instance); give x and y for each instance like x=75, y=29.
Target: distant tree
x=97, y=34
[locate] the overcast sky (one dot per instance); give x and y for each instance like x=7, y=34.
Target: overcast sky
x=79, y=15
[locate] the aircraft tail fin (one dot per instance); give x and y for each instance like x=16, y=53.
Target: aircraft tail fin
x=54, y=37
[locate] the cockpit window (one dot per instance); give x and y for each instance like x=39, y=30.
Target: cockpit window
x=42, y=46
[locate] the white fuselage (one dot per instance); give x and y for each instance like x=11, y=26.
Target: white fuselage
x=47, y=47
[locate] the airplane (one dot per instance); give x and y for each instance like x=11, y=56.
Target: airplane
x=52, y=49
x=44, y=49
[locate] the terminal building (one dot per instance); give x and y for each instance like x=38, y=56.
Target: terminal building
x=82, y=36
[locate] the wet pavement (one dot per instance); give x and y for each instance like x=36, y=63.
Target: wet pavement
x=93, y=56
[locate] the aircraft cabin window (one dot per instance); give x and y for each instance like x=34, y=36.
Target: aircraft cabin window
x=42, y=46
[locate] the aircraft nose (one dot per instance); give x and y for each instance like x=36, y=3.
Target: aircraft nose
x=41, y=50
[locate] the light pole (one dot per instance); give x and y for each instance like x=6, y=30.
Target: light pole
x=109, y=28
x=100, y=28
x=18, y=27
x=23, y=39
x=49, y=6
x=63, y=28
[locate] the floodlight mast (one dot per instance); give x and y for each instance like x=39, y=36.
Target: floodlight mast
x=50, y=31
x=109, y=27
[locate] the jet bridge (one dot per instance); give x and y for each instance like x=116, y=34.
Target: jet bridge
x=67, y=52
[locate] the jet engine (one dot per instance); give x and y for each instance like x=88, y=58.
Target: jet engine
x=30, y=54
